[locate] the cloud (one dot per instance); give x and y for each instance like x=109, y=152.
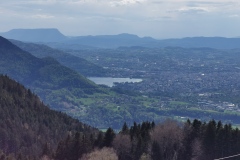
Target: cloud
x=156, y=18
x=234, y=16
x=42, y=16
x=193, y=10
x=215, y=5
x=208, y=3
x=125, y=2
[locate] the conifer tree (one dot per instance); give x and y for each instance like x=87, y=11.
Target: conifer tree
x=209, y=139
x=125, y=129
x=108, y=137
x=155, y=151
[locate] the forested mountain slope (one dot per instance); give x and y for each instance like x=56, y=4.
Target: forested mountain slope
x=79, y=64
x=27, y=125
x=46, y=76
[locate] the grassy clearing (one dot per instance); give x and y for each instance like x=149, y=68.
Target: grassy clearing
x=178, y=103
x=87, y=101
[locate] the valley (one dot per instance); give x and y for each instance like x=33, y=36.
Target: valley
x=172, y=82
x=179, y=81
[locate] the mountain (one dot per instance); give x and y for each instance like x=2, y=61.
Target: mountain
x=28, y=126
x=54, y=38
x=111, y=41
x=46, y=77
x=127, y=40
x=103, y=41
x=75, y=63
x=199, y=42
x=35, y=35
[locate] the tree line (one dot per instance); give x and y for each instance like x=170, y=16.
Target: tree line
x=169, y=140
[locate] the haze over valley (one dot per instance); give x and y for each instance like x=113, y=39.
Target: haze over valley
x=178, y=82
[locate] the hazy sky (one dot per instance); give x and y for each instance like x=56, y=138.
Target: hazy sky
x=156, y=18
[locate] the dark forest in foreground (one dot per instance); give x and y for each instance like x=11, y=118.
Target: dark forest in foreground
x=166, y=141
x=30, y=130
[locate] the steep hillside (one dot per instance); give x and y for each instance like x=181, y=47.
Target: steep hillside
x=79, y=64
x=17, y=63
x=27, y=125
x=46, y=77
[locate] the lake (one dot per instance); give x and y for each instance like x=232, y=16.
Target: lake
x=109, y=81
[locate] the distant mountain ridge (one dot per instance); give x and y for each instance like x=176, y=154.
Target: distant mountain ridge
x=35, y=35
x=111, y=41
x=115, y=41
x=202, y=42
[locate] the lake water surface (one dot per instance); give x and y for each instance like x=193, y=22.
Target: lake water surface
x=109, y=81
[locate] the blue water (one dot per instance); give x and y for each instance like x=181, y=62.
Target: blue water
x=109, y=81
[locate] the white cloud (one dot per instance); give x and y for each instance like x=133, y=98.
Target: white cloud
x=125, y=2
x=193, y=10
x=158, y=18
x=42, y=16
x=234, y=16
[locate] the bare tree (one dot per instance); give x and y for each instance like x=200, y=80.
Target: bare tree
x=197, y=149
x=103, y=154
x=122, y=144
x=145, y=157
x=168, y=136
x=45, y=157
